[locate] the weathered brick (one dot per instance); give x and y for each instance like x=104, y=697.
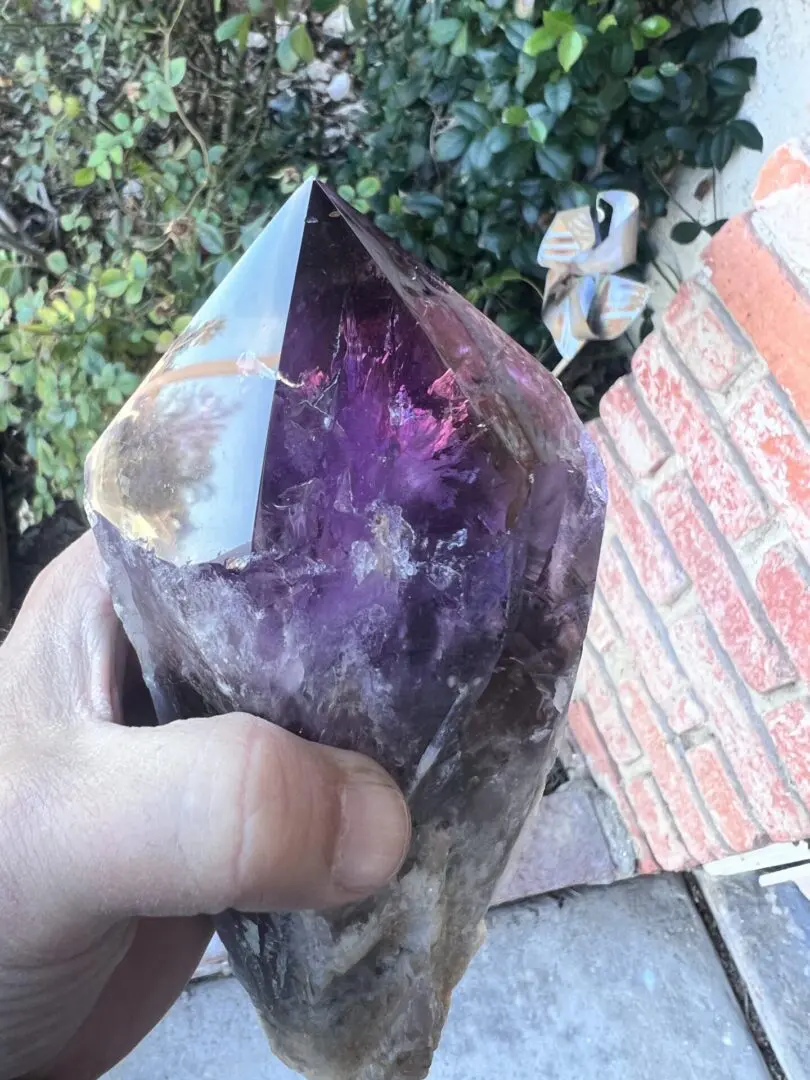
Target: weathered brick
x=783, y=584
x=763, y=298
x=708, y=455
x=660, y=574
x=775, y=807
x=720, y=796
x=640, y=444
x=604, y=773
x=618, y=738
x=778, y=453
x=790, y=727
x=704, y=340
x=601, y=628
x=718, y=582
x=786, y=167
x=657, y=824
x=656, y=662
x=670, y=775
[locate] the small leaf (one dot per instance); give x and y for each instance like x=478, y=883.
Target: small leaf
x=346, y=191
x=117, y=155
x=723, y=145
x=686, y=231
x=138, y=265
x=210, y=238
x=84, y=177
x=538, y=132
x=668, y=69
x=655, y=26
x=682, y=138
x=461, y=44
x=232, y=28
x=541, y=40
x=134, y=293
x=444, y=31
x=555, y=161
x=121, y=121
x=526, y=71
x=368, y=187
x=558, y=22
x=57, y=262
x=558, y=95
x=515, y=115
x=715, y=226
x=746, y=134
x=729, y=81
x=55, y=104
x=746, y=22
x=452, y=143
x=646, y=88
x=622, y=58
x=301, y=43
x=605, y=23
x=571, y=47
x=177, y=70
x=113, y=282
x=287, y=57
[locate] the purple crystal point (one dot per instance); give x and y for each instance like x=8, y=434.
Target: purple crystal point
x=347, y=502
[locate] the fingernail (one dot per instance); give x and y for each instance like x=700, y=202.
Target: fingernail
x=375, y=833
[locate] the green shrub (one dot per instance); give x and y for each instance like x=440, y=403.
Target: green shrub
x=142, y=150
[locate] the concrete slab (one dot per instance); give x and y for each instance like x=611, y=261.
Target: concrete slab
x=614, y=984
x=767, y=932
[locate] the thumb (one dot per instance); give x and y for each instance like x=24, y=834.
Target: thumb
x=230, y=811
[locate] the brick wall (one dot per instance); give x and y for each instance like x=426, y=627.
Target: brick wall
x=692, y=709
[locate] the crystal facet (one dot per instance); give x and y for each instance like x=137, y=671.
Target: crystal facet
x=346, y=501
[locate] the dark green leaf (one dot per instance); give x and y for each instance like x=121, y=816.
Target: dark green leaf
x=682, y=138
x=729, y=81
x=444, y=31
x=498, y=139
x=708, y=42
x=746, y=22
x=471, y=115
x=722, y=147
x=622, y=58
x=686, y=231
x=555, y=161
x=210, y=238
x=559, y=95
x=452, y=143
x=479, y=154
x=715, y=226
x=461, y=42
x=527, y=69
x=746, y=134
x=646, y=88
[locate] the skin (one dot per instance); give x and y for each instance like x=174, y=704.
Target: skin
x=118, y=842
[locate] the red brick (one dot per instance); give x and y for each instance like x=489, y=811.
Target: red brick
x=601, y=628
x=778, y=453
x=765, y=301
x=783, y=585
x=662, y=674
x=720, y=796
x=670, y=775
x=604, y=773
x=660, y=574
x=641, y=445
x=784, y=168
x=703, y=339
x=717, y=581
x=790, y=728
x=618, y=738
x=776, y=809
x=657, y=824
x=708, y=455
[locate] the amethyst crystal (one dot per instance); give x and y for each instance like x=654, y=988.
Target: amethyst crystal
x=346, y=501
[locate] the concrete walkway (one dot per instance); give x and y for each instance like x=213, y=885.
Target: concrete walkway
x=620, y=983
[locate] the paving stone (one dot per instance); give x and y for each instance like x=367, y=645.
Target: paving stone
x=767, y=932
x=619, y=983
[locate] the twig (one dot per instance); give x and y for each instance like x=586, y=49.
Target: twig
x=187, y=124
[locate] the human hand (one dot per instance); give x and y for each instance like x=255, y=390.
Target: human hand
x=117, y=842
